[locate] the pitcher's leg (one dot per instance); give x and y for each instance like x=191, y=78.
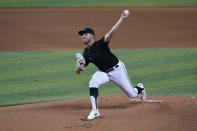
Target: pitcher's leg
x=120, y=78
x=140, y=87
x=94, y=98
x=97, y=79
x=124, y=83
x=94, y=101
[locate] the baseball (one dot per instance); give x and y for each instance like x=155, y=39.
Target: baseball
x=126, y=12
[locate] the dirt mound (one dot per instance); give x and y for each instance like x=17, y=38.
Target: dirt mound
x=117, y=113
x=56, y=28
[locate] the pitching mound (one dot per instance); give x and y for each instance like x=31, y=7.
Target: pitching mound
x=117, y=113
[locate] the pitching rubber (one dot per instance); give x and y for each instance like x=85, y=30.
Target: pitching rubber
x=147, y=101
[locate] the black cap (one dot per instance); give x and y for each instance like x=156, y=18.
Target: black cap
x=86, y=30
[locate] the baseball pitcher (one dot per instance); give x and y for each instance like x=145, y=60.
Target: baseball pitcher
x=110, y=68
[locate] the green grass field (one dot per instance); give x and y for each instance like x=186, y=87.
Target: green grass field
x=97, y=3
x=28, y=77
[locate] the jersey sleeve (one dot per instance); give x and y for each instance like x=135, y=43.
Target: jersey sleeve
x=86, y=58
x=103, y=43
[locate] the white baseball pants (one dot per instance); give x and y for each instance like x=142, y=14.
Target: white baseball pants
x=118, y=76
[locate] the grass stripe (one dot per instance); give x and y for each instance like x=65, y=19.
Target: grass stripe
x=183, y=90
x=28, y=77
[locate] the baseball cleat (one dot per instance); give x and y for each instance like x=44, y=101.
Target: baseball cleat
x=143, y=93
x=93, y=114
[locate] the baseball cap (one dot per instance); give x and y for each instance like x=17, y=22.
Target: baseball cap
x=86, y=30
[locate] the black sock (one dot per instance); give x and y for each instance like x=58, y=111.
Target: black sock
x=94, y=93
x=139, y=89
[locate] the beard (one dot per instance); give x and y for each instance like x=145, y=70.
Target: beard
x=86, y=41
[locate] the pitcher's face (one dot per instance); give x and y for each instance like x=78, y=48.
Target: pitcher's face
x=86, y=38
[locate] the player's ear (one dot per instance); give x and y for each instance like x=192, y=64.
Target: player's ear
x=93, y=36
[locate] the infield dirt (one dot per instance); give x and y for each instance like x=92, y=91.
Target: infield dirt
x=117, y=113
x=56, y=29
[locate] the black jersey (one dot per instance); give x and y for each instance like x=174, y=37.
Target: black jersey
x=99, y=54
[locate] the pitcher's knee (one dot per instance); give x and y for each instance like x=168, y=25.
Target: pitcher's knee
x=94, y=83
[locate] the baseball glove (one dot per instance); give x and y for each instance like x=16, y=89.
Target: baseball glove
x=80, y=61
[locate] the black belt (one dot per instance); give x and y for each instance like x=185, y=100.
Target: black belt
x=111, y=69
